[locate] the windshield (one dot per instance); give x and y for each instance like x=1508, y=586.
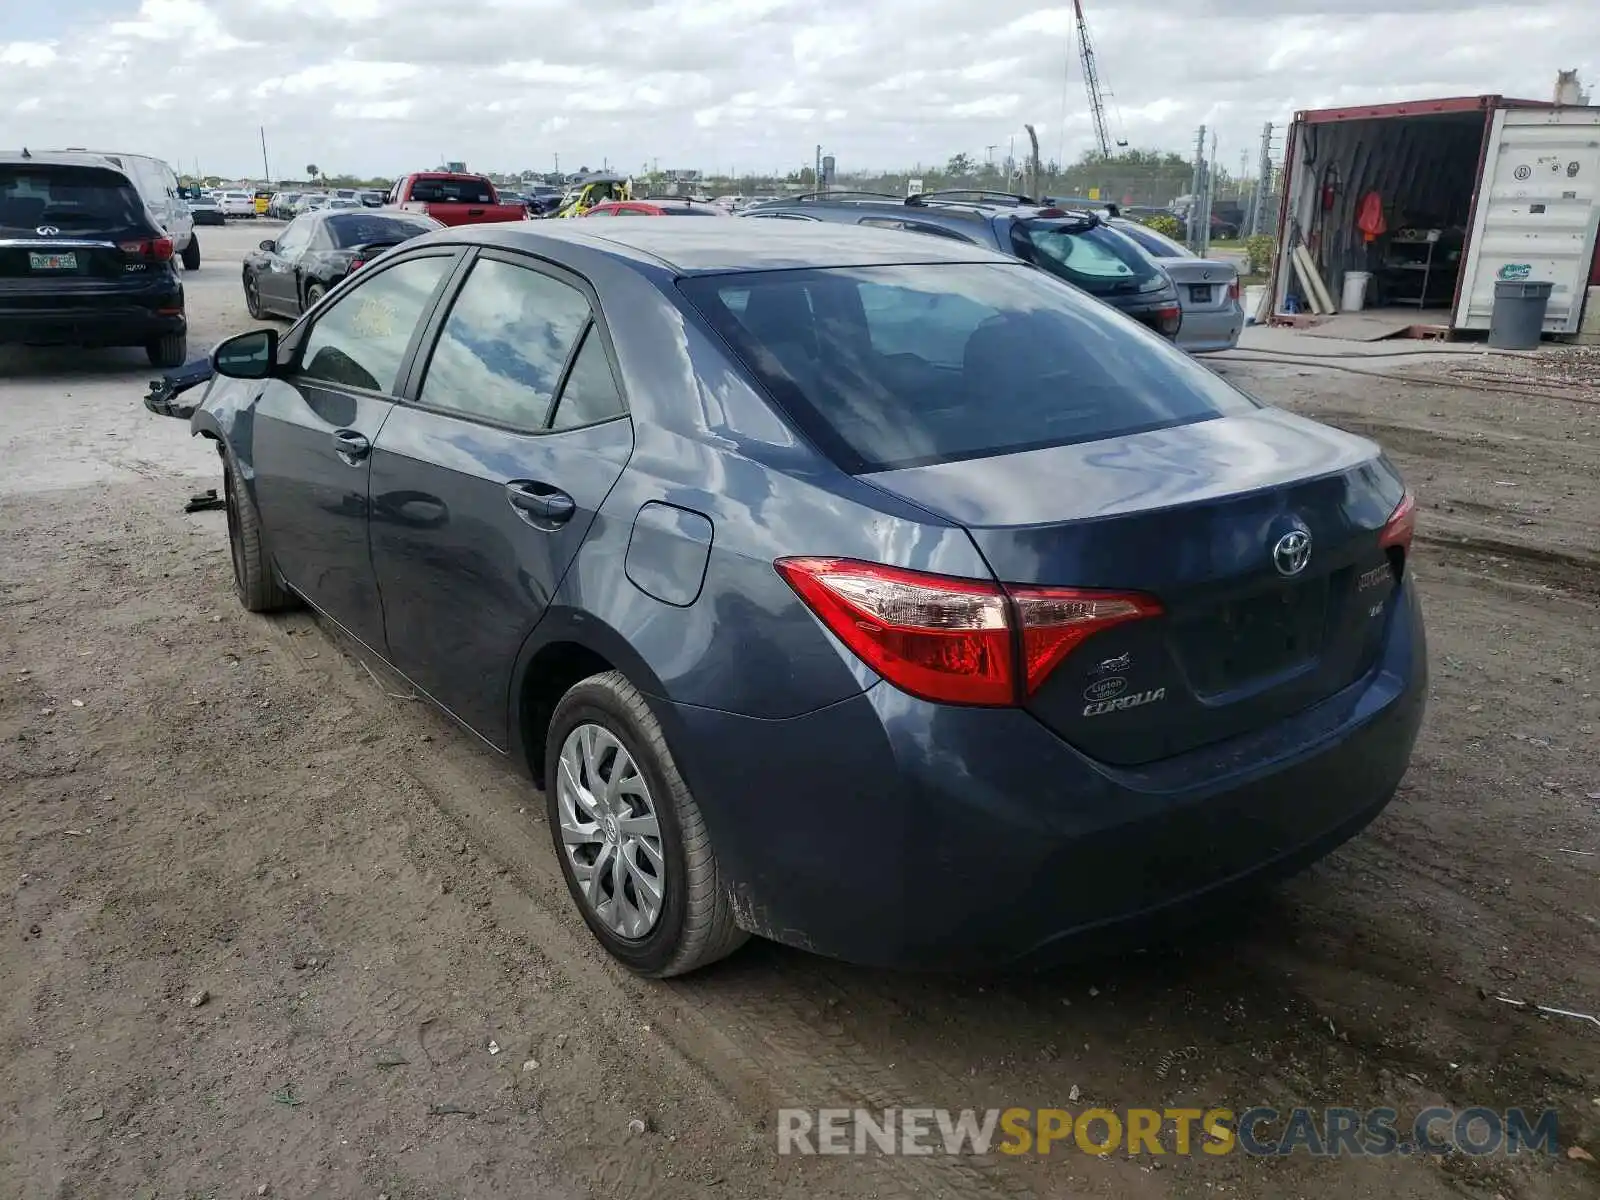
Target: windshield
x=67, y=197
x=891, y=367
x=451, y=191
x=1151, y=242
x=1099, y=260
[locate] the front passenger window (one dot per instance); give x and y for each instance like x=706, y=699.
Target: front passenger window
x=361, y=341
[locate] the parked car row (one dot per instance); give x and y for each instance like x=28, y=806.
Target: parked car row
x=854, y=578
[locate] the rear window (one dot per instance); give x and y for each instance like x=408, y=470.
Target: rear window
x=67, y=197
x=360, y=229
x=890, y=367
x=1151, y=242
x=687, y=210
x=451, y=191
x=1094, y=258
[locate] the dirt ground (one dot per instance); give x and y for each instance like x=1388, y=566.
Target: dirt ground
x=271, y=925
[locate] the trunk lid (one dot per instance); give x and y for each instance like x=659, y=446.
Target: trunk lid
x=1196, y=515
x=1203, y=284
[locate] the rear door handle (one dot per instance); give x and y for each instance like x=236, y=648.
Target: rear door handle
x=475, y=212
x=542, y=503
x=351, y=446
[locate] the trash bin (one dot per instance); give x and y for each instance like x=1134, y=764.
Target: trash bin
x=1518, y=316
x=1355, y=291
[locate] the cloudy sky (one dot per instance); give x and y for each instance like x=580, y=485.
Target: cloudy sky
x=382, y=86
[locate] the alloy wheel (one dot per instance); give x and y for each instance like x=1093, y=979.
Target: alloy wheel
x=610, y=832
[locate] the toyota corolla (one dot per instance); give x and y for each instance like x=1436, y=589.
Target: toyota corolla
x=866, y=591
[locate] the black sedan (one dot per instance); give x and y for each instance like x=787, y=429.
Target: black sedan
x=287, y=275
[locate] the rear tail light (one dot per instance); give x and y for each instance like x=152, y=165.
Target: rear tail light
x=1398, y=531
x=357, y=263
x=1233, y=290
x=956, y=641
x=156, y=249
x=1168, y=319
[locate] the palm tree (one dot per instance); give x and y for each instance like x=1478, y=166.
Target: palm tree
x=311, y=170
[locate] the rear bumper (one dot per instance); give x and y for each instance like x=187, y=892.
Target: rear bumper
x=890, y=831
x=87, y=315
x=1212, y=330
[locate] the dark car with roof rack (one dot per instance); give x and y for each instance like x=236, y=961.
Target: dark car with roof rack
x=1074, y=245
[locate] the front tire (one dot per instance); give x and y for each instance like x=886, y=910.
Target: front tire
x=252, y=296
x=168, y=351
x=633, y=846
x=254, y=580
x=191, y=253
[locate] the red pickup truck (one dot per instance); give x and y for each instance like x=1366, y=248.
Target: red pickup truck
x=453, y=199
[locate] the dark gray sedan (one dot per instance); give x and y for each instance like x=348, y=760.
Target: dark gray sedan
x=868, y=591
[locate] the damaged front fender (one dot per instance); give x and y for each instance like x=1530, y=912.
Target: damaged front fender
x=163, y=397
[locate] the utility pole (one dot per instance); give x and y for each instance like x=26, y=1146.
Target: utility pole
x=988, y=154
x=266, y=176
x=558, y=164
x=1263, y=189
x=816, y=171
x=1199, y=209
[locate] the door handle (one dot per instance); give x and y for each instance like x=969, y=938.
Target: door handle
x=544, y=504
x=351, y=446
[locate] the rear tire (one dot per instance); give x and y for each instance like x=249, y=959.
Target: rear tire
x=191, y=253
x=167, y=351
x=314, y=293
x=694, y=925
x=255, y=581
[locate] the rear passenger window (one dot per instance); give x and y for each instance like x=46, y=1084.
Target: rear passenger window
x=504, y=345
x=590, y=394
x=361, y=340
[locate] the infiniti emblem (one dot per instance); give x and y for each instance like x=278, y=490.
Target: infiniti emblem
x=1291, y=554
x=47, y=231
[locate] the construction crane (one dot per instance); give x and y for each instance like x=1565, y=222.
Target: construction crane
x=1091, y=82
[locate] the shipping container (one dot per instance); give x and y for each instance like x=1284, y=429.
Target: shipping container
x=1471, y=190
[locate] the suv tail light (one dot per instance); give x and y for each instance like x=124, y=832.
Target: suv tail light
x=955, y=641
x=157, y=249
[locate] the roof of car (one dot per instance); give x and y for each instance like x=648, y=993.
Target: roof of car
x=691, y=248
x=58, y=158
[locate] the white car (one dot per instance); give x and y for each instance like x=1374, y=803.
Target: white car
x=157, y=186
x=237, y=204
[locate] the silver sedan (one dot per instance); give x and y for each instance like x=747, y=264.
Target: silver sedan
x=1208, y=290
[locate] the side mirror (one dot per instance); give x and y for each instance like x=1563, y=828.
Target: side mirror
x=269, y=245
x=250, y=355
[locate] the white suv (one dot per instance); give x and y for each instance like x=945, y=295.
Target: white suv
x=158, y=188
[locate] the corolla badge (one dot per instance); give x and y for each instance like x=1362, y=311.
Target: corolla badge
x=1291, y=554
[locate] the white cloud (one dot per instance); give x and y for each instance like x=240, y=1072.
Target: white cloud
x=382, y=86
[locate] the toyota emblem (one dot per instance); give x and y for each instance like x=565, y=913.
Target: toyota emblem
x=1291, y=554
x=47, y=231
